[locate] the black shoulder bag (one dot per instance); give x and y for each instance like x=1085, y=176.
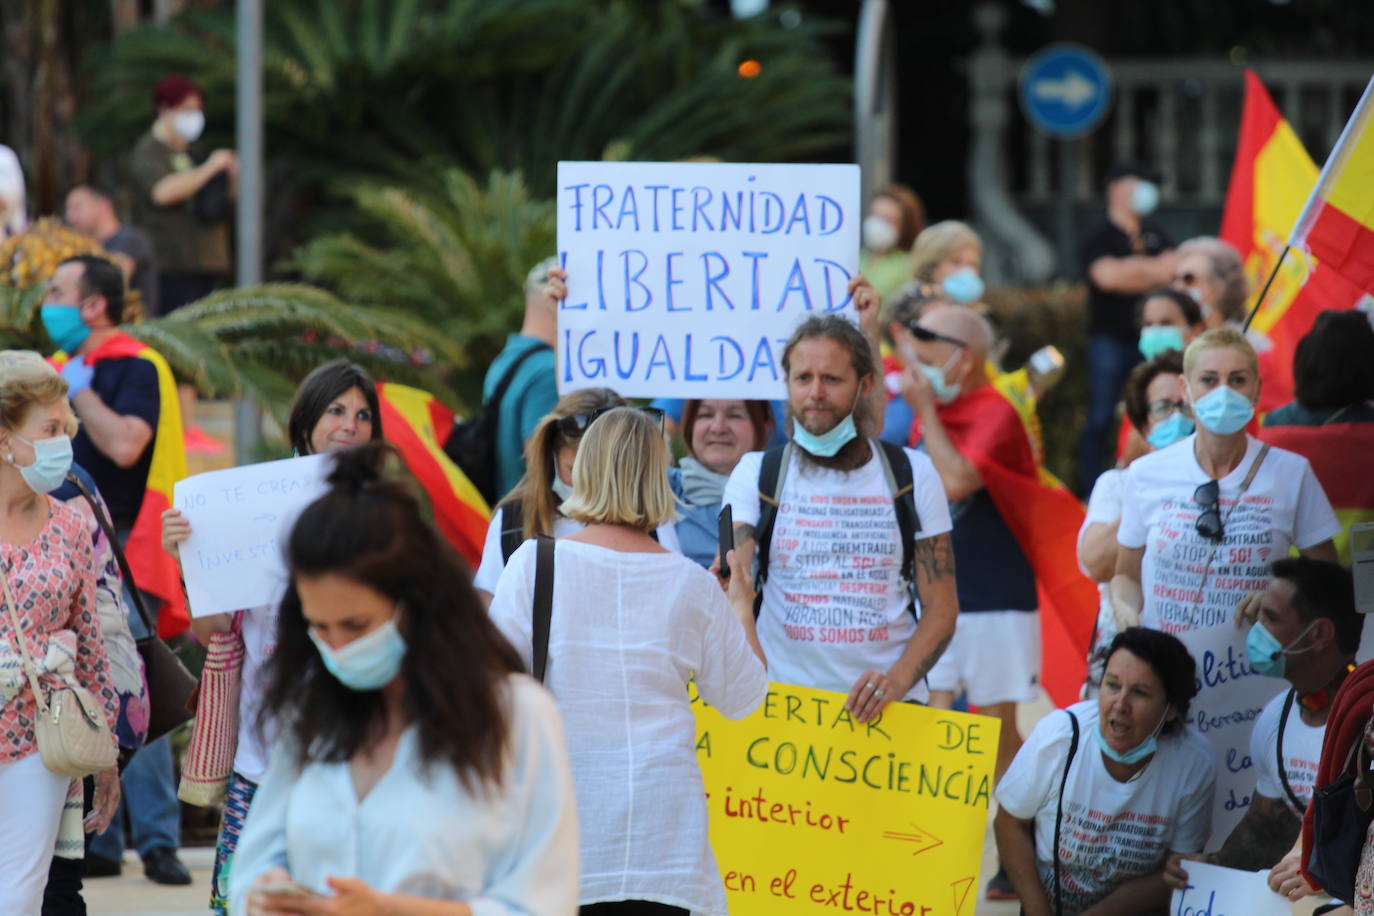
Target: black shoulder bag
x=170, y=685
x=1283, y=771
x=543, y=604
x=1059, y=814
x=1341, y=813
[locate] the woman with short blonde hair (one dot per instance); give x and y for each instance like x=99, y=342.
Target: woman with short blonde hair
x=944, y=248
x=631, y=623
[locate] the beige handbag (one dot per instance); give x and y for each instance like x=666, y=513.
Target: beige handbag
x=74, y=740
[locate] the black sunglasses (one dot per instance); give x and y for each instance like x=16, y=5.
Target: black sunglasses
x=575, y=425
x=1208, y=523
x=927, y=335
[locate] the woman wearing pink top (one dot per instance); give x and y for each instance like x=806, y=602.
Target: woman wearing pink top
x=45, y=554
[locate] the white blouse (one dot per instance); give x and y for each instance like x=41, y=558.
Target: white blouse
x=419, y=831
x=629, y=630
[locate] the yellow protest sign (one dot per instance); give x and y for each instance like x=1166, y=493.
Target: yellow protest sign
x=812, y=812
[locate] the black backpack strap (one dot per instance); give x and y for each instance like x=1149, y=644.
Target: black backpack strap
x=897, y=470
x=543, y=604
x=772, y=473
x=1059, y=814
x=512, y=530
x=1283, y=771
x=508, y=376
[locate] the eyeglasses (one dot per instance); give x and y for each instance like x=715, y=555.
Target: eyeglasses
x=927, y=335
x=1158, y=410
x=575, y=425
x=1207, y=498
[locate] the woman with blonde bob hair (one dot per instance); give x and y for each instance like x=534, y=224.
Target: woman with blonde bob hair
x=534, y=507
x=631, y=624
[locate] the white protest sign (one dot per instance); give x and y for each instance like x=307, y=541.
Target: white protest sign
x=1216, y=891
x=686, y=279
x=240, y=519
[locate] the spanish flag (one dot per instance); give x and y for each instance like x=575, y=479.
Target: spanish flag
x=996, y=428
x=1339, y=454
x=154, y=570
x=1270, y=180
x=1337, y=225
x=411, y=421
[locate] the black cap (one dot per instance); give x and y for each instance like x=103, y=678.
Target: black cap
x=1133, y=170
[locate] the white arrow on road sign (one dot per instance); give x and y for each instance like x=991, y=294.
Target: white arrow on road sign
x=1071, y=89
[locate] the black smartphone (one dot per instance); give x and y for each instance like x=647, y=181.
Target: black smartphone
x=726, y=524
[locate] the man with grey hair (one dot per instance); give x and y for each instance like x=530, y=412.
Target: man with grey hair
x=1210, y=270
x=850, y=531
x=977, y=442
x=523, y=380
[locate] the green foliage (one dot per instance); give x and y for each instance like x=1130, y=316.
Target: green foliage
x=454, y=259
x=375, y=88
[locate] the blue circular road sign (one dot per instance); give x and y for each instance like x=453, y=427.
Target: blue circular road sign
x=1065, y=89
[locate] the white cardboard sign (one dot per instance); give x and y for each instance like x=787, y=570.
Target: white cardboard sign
x=686, y=279
x=1216, y=891
x=240, y=519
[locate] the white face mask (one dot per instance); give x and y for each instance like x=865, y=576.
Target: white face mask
x=879, y=234
x=560, y=489
x=189, y=124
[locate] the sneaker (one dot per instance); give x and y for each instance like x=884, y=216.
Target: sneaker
x=161, y=866
x=999, y=887
x=199, y=442
x=101, y=867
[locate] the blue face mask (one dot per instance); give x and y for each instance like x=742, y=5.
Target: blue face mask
x=1223, y=410
x=1155, y=340
x=826, y=445
x=1267, y=657
x=945, y=393
x=369, y=662
x=64, y=326
x=1171, y=429
x=963, y=286
x=1137, y=753
x=1144, y=197
x=52, y=459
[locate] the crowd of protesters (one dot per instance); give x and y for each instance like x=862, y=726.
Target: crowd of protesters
x=402, y=733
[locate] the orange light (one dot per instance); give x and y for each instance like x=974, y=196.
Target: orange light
x=750, y=69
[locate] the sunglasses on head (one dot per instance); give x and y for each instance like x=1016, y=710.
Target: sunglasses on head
x=1207, y=498
x=929, y=336
x=575, y=425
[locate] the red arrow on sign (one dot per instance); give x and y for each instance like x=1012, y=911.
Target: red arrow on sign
x=924, y=839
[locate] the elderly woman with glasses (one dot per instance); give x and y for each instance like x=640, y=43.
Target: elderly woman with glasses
x=534, y=506
x=1200, y=522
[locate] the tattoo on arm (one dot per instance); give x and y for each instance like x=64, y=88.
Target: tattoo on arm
x=935, y=557
x=1263, y=836
x=929, y=661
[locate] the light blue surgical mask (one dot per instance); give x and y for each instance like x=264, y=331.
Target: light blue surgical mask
x=826, y=445
x=1223, y=410
x=1144, y=197
x=963, y=286
x=52, y=459
x=64, y=326
x=560, y=489
x=1171, y=429
x=1159, y=338
x=369, y=662
x=1137, y=753
x=945, y=393
x=1266, y=655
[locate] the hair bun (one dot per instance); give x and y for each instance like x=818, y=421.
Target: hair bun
x=359, y=467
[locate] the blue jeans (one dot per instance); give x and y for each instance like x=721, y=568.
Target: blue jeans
x=1109, y=362
x=149, y=799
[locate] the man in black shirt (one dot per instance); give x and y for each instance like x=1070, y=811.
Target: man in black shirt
x=1123, y=258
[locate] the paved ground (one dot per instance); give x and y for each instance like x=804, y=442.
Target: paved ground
x=131, y=894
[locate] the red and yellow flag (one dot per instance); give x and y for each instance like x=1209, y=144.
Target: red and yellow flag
x=154, y=571
x=411, y=421
x=1270, y=180
x=1339, y=454
x=1337, y=225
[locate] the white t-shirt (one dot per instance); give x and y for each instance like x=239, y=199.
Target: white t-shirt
x=1112, y=831
x=1302, y=750
x=259, y=639
x=489, y=571
x=1104, y=508
x=627, y=633
x=1284, y=507
x=834, y=604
